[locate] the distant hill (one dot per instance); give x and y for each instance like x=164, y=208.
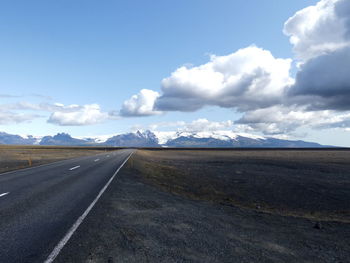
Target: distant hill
x=239, y=142
x=6, y=138
x=169, y=139
x=63, y=139
x=138, y=139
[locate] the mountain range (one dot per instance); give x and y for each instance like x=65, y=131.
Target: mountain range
x=147, y=138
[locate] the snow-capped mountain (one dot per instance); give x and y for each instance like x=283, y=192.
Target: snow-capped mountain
x=6, y=138
x=162, y=139
x=65, y=140
x=138, y=139
x=230, y=139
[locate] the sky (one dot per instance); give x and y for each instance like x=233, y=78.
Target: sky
x=91, y=68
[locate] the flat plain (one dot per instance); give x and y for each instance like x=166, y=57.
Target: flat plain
x=306, y=183
x=221, y=206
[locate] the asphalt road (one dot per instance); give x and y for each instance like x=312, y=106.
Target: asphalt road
x=39, y=205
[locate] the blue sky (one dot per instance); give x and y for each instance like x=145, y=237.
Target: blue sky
x=103, y=52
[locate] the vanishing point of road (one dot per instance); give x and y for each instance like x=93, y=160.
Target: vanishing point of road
x=41, y=207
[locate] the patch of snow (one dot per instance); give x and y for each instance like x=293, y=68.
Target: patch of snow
x=164, y=136
x=37, y=138
x=98, y=138
x=251, y=136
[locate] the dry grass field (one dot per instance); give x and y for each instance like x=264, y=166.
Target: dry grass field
x=221, y=206
x=17, y=157
x=314, y=184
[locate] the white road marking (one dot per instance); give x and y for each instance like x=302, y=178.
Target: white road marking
x=96, y=160
x=107, y=155
x=75, y=167
x=42, y=165
x=71, y=231
x=3, y=194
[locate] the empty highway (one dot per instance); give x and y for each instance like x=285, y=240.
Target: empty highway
x=39, y=206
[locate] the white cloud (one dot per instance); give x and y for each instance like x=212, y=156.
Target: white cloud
x=60, y=114
x=254, y=82
x=278, y=119
x=12, y=113
x=8, y=117
x=319, y=29
x=334, y=120
x=282, y=120
x=141, y=104
x=193, y=126
x=48, y=107
x=247, y=79
x=320, y=35
x=75, y=115
x=206, y=125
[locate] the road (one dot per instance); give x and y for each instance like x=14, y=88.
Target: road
x=38, y=206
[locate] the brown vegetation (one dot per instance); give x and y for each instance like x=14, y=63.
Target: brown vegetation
x=310, y=184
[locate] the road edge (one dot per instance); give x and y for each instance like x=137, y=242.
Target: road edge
x=55, y=252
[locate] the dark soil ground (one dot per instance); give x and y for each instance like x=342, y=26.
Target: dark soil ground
x=221, y=206
x=312, y=184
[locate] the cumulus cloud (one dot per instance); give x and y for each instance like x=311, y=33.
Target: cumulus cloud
x=334, y=121
x=206, y=125
x=60, y=114
x=249, y=78
x=201, y=124
x=282, y=120
x=279, y=119
x=141, y=104
x=75, y=115
x=320, y=35
x=9, y=117
x=319, y=29
x=25, y=105
x=9, y=114
x=324, y=82
x=260, y=86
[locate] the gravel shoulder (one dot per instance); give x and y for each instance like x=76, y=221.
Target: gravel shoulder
x=145, y=219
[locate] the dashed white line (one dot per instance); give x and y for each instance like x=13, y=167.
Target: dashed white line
x=75, y=167
x=96, y=160
x=71, y=231
x=3, y=194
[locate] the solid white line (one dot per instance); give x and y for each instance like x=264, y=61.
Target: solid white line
x=75, y=167
x=96, y=160
x=1, y=195
x=71, y=231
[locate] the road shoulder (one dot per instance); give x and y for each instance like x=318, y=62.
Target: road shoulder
x=137, y=222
